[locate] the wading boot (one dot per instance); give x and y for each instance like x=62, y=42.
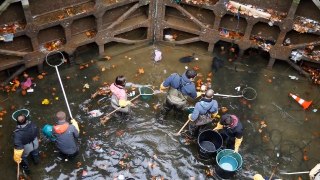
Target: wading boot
x=36, y=159
x=25, y=168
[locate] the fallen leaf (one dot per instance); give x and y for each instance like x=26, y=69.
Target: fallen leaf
x=23, y=92
x=40, y=76
x=196, y=68
x=120, y=133
x=107, y=58
x=79, y=164
x=103, y=69
x=209, y=74
x=141, y=71
x=87, y=86
x=155, y=156
x=269, y=80
x=96, y=78
x=113, y=66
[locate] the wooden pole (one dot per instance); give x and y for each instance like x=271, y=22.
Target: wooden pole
x=185, y=124
x=18, y=171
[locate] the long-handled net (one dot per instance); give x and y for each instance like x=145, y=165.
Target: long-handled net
x=58, y=74
x=248, y=93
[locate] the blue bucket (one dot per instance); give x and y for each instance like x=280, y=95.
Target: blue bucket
x=47, y=131
x=228, y=163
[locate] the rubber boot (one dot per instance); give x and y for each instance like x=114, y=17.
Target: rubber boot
x=36, y=159
x=25, y=167
x=35, y=156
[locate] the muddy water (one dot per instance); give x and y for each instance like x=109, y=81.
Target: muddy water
x=141, y=148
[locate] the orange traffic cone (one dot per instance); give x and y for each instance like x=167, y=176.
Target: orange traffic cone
x=302, y=102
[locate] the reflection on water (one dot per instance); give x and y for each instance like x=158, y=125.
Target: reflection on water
x=278, y=132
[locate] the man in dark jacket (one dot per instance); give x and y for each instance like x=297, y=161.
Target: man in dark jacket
x=25, y=142
x=66, y=136
x=180, y=87
x=204, y=112
x=231, y=131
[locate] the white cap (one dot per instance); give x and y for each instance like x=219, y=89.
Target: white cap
x=121, y=177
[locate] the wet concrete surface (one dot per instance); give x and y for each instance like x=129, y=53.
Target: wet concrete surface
x=278, y=132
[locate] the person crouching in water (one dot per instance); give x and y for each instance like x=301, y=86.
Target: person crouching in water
x=204, y=112
x=180, y=87
x=231, y=131
x=66, y=136
x=119, y=96
x=25, y=143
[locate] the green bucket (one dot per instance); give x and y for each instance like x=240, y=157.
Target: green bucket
x=17, y=113
x=228, y=157
x=146, y=93
x=189, y=110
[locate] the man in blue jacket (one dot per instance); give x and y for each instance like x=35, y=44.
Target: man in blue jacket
x=204, y=112
x=180, y=87
x=26, y=142
x=66, y=136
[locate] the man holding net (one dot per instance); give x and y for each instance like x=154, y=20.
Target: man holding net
x=180, y=87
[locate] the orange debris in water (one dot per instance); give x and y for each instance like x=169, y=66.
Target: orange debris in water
x=141, y=71
x=196, y=68
x=96, y=78
x=40, y=76
x=23, y=92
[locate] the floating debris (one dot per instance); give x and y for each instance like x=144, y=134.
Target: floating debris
x=261, y=42
x=250, y=10
x=12, y=27
x=314, y=73
x=230, y=34
x=52, y=45
x=90, y=33
x=305, y=25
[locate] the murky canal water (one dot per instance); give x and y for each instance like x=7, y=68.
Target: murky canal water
x=277, y=129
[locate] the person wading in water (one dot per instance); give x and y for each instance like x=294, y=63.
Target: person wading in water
x=180, y=87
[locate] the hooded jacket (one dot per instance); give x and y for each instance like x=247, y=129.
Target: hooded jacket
x=25, y=134
x=66, y=135
x=118, y=91
x=182, y=84
x=236, y=128
x=204, y=107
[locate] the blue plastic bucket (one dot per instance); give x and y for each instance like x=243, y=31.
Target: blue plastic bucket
x=47, y=132
x=228, y=163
